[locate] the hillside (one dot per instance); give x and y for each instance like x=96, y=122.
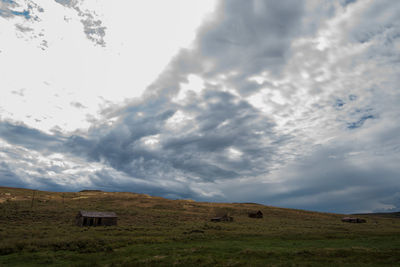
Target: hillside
x=158, y=231
x=381, y=214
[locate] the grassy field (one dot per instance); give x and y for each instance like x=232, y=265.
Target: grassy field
x=153, y=231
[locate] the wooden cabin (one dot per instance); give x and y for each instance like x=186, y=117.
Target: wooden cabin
x=224, y=218
x=96, y=218
x=257, y=214
x=353, y=220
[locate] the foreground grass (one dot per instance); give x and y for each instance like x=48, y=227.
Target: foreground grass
x=155, y=231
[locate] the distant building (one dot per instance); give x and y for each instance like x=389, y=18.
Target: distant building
x=353, y=220
x=96, y=218
x=257, y=214
x=224, y=218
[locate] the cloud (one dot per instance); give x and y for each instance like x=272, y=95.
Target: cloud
x=92, y=27
x=10, y=8
x=334, y=180
x=241, y=40
x=360, y=122
x=32, y=14
x=213, y=136
x=78, y=105
x=20, y=92
x=9, y=178
x=219, y=136
x=295, y=105
x=249, y=37
x=19, y=134
x=356, y=174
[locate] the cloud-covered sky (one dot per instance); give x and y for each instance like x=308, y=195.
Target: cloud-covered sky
x=288, y=103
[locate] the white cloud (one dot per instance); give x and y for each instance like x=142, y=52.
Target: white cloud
x=140, y=39
x=292, y=103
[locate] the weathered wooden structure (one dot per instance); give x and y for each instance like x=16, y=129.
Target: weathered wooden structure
x=353, y=220
x=96, y=218
x=257, y=214
x=224, y=218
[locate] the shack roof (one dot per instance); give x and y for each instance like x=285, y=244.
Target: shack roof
x=97, y=214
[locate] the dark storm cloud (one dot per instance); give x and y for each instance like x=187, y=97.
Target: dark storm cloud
x=225, y=138
x=19, y=134
x=324, y=182
x=339, y=152
x=359, y=173
x=243, y=39
x=9, y=178
x=223, y=123
x=249, y=36
x=219, y=121
x=326, y=185
x=106, y=180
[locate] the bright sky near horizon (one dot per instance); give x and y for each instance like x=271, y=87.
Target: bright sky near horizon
x=293, y=103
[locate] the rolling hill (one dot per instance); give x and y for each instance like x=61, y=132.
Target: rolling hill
x=38, y=227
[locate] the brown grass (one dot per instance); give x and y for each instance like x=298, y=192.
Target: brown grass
x=154, y=230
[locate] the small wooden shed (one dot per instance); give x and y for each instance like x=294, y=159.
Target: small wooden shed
x=96, y=218
x=353, y=220
x=224, y=218
x=257, y=214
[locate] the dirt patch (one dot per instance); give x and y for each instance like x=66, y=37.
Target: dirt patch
x=75, y=198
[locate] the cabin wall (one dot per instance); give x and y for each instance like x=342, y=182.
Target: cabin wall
x=79, y=220
x=95, y=221
x=109, y=221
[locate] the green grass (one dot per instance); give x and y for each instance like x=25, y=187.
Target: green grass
x=153, y=231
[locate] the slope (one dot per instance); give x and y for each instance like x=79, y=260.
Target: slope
x=37, y=227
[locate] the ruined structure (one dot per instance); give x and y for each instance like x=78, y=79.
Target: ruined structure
x=96, y=218
x=257, y=214
x=353, y=220
x=224, y=218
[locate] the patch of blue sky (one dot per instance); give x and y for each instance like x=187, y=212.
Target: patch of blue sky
x=347, y=2
x=360, y=122
x=358, y=110
x=339, y=103
x=24, y=13
x=352, y=97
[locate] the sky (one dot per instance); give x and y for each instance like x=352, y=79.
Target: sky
x=291, y=103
